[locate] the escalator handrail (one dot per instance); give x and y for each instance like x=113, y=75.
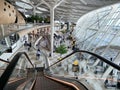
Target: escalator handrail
x=96, y=55
x=4, y=61
x=74, y=83
x=8, y=71
x=47, y=74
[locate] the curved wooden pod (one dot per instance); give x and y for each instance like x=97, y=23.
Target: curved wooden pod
x=19, y=19
x=9, y=15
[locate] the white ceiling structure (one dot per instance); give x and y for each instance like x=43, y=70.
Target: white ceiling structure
x=68, y=10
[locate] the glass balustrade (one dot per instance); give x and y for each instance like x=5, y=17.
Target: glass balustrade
x=101, y=76
x=23, y=69
x=3, y=66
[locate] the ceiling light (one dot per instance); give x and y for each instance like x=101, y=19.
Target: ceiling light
x=22, y=10
x=27, y=1
x=42, y=9
x=84, y=2
x=23, y=5
x=38, y=11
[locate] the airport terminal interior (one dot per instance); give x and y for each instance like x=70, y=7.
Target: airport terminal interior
x=59, y=45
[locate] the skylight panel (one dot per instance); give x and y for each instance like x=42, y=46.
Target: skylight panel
x=23, y=5
x=42, y=9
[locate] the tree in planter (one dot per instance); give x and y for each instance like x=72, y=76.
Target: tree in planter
x=62, y=50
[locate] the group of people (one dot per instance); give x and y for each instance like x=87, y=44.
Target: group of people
x=27, y=45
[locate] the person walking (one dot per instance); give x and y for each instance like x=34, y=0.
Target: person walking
x=38, y=54
x=25, y=44
x=29, y=46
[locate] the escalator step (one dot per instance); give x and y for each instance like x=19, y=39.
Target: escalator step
x=43, y=83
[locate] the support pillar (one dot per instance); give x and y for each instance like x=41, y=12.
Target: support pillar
x=52, y=20
x=3, y=33
x=52, y=28
x=34, y=13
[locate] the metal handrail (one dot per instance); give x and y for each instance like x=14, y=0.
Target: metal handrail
x=6, y=74
x=98, y=56
x=2, y=60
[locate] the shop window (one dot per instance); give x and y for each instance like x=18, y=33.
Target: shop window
x=2, y=42
x=14, y=38
x=3, y=45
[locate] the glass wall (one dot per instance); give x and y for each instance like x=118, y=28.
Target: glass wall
x=99, y=28
x=99, y=32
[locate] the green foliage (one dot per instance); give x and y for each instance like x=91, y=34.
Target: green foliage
x=37, y=19
x=63, y=31
x=61, y=49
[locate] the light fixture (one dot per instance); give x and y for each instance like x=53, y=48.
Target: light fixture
x=27, y=1
x=23, y=5
x=84, y=2
x=22, y=10
x=42, y=9
x=38, y=11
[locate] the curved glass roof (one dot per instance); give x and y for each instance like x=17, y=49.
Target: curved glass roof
x=22, y=10
x=99, y=30
x=42, y=9
x=23, y=5
x=38, y=11
x=67, y=10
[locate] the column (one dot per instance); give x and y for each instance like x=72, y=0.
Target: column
x=52, y=28
x=6, y=38
x=34, y=13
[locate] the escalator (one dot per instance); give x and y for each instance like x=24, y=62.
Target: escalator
x=44, y=42
x=14, y=84
x=45, y=83
x=13, y=75
x=44, y=79
x=87, y=74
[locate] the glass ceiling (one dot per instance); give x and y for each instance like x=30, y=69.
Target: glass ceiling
x=27, y=1
x=38, y=11
x=22, y=10
x=69, y=10
x=23, y=5
x=42, y=9
x=98, y=29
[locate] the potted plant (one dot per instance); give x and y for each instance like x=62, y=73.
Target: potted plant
x=38, y=19
x=62, y=49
